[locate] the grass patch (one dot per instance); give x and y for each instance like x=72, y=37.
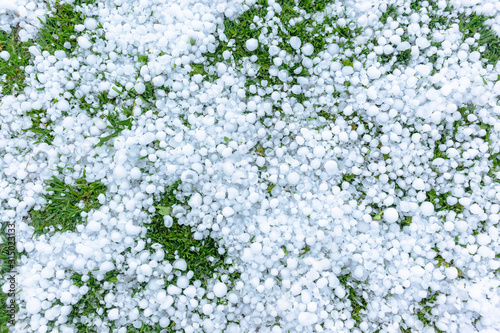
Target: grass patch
x=13, y=68
x=357, y=302
x=40, y=127
x=58, y=31
x=471, y=24
x=202, y=256
x=92, y=303
x=65, y=203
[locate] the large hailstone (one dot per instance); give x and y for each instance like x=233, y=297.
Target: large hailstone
x=391, y=215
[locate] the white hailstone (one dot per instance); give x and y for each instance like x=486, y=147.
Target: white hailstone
x=150, y=188
x=228, y=168
x=476, y=209
x=451, y=273
x=252, y=44
x=84, y=42
x=195, y=200
x=307, y=318
x=340, y=292
x=418, y=184
x=47, y=272
x=5, y=55
x=331, y=167
x=106, y=266
x=293, y=178
x=114, y=314
x=66, y=297
x=475, y=291
x=227, y=211
x=131, y=229
x=220, y=289
x=158, y=81
x=93, y=226
x=90, y=23
x=427, y=208
x=496, y=88
x=307, y=49
x=373, y=72
x=79, y=264
x=119, y=172
x=140, y=88
x=168, y=221
x=422, y=42
x=33, y=305
x=391, y=215
x=483, y=239
x=182, y=282
x=372, y=110
x=207, y=309
x=180, y=264
x=295, y=43
x=135, y=173
x=146, y=269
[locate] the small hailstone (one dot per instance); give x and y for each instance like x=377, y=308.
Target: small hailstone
x=140, y=88
x=131, y=229
x=373, y=72
x=476, y=209
x=120, y=172
x=207, y=309
x=93, y=226
x=84, y=42
x=180, y=264
x=418, y=184
x=135, y=173
x=158, y=81
x=307, y=49
x=90, y=23
x=391, y=215
x=331, y=167
x=295, y=42
x=451, y=273
x=307, y=318
x=252, y=44
x=5, y=55
x=227, y=211
x=182, y=282
x=33, y=306
x=427, y=208
x=66, y=297
x=220, y=289
x=113, y=314
x=151, y=188
x=195, y=200
x=293, y=178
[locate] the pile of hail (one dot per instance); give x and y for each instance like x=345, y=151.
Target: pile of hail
x=341, y=158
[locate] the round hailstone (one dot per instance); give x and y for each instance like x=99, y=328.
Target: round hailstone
x=293, y=178
x=140, y=88
x=418, y=184
x=252, y=44
x=180, y=264
x=5, y=55
x=120, y=172
x=135, y=173
x=331, y=167
x=476, y=209
x=220, y=289
x=427, y=208
x=373, y=73
x=90, y=23
x=84, y=42
x=33, y=306
x=114, y=314
x=295, y=43
x=227, y=211
x=307, y=49
x=391, y=215
x=307, y=318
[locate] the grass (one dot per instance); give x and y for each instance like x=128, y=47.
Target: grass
x=13, y=68
x=202, y=256
x=65, y=203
